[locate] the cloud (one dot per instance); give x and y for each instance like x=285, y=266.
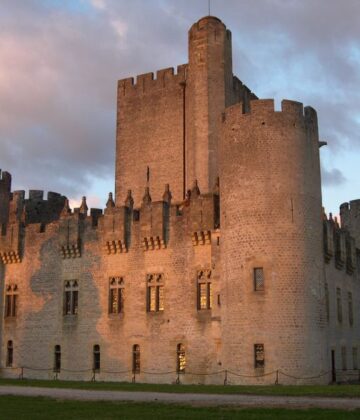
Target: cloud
x=332, y=177
x=60, y=61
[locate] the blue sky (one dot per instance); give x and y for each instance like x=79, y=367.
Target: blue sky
x=60, y=62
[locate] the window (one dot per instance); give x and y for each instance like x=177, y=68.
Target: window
x=338, y=305
x=96, y=358
x=355, y=358
x=259, y=279
x=11, y=296
x=136, y=359
x=350, y=309
x=259, y=355
x=57, y=358
x=327, y=302
x=343, y=358
x=10, y=354
x=71, y=298
x=155, y=292
x=116, y=295
x=181, y=360
x=204, y=294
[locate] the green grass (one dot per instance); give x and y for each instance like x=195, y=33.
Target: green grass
x=28, y=408
x=352, y=391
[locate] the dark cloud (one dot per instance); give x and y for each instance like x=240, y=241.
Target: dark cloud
x=60, y=61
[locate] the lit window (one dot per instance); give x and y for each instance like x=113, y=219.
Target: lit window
x=155, y=292
x=350, y=309
x=57, y=358
x=10, y=354
x=96, y=358
x=11, y=297
x=343, y=358
x=204, y=295
x=71, y=298
x=181, y=359
x=136, y=359
x=116, y=295
x=339, y=305
x=258, y=279
x=259, y=355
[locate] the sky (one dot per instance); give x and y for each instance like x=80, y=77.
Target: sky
x=60, y=61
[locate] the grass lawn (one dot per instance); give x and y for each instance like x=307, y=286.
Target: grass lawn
x=44, y=408
x=352, y=391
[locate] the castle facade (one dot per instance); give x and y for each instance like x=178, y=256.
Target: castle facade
x=213, y=263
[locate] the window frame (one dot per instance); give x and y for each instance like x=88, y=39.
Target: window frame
x=116, y=295
x=136, y=359
x=57, y=358
x=71, y=298
x=259, y=348
x=259, y=286
x=180, y=358
x=9, y=353
x=11, y=301
x=155, y=293
x=96, y=358
x=204, y=290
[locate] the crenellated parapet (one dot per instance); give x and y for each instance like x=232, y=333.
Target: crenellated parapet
x=146, y=84
x=154, y=220
x=203, y=215
x=339, y=245
x=115, y=226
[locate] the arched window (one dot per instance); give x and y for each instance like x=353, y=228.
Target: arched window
x=10, y=354
x=181, y=358
x=136, y=358
x=57, y=358
x=96, y=358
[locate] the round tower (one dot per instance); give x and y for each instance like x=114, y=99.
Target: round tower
x=271, y=242
x=208, y=92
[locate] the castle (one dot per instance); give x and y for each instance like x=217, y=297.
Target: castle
x=213, y=262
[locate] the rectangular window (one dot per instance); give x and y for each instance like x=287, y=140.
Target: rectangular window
x=71, y=297
x=116, y=295
x=259, y=355
x=339, y=305
x=259, y=279
x=350, y=309
x=11, y=300
x=155, y=292
x=204, y=290
x=355, y=358
x=343, y=358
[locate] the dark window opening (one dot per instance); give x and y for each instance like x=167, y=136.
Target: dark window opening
x=10, y=354
x=57, y=359
x=96, y=358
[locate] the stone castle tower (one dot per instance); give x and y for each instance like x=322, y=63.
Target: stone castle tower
x=215, y=257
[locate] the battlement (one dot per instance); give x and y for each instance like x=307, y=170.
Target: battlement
x=5, y=179
x=339, y=244
x=263, y=107
x=146, y=83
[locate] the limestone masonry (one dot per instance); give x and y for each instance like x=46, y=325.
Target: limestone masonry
x=213, y=262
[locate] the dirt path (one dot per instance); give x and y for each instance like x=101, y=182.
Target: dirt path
x=190, y=399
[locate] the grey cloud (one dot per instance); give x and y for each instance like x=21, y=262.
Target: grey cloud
x=332, y=177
